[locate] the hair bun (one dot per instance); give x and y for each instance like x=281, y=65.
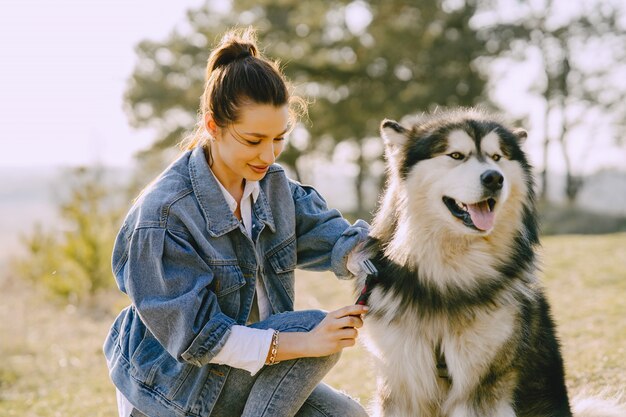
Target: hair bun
x=243, y=54
x=234, y=46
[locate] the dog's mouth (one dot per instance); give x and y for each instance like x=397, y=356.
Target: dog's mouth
x=478, y=216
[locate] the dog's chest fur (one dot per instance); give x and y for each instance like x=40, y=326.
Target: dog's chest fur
x=409, y=341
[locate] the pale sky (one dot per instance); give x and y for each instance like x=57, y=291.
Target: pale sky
x=64, y=67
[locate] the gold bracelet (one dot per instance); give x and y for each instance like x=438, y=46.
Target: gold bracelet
x=273, y=349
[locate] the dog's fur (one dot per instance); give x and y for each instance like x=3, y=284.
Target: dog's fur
x=458, y=323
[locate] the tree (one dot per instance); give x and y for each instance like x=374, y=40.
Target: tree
x=359, y=60
x=581, y=54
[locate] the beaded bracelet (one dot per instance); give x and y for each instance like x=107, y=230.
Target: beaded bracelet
x=273, y=349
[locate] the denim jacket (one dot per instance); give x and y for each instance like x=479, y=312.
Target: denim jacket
x=190, y=269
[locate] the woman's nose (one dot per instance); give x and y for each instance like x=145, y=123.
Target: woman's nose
x=267, y=154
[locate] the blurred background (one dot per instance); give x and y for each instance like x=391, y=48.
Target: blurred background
x=95, y=95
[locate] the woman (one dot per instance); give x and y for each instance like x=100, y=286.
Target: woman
x=207, y=256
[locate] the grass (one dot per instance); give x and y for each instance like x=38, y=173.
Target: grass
x=585, y=279
x=52, y=363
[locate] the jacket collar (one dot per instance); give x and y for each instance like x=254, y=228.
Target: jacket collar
x=262, y=208
x=219, y=217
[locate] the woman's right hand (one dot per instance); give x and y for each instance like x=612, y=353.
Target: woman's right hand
x=338, y=330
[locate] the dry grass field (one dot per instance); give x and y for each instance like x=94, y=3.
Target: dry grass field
x=52, y=363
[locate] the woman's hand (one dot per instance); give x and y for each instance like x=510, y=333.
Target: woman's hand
x=338, y=330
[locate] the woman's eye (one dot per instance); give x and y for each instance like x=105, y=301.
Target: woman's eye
x=496, y=157
x=456, y=155
x=279, y=139
x=252, y=142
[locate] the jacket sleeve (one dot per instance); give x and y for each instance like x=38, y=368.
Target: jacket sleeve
x=169, y=284
x=324, y=238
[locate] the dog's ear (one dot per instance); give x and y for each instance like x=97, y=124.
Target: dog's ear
x=521, y=135
x=394, y=135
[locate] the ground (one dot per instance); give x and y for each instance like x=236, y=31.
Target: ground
x=52, y=362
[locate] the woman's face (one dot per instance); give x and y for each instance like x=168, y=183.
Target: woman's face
x=247, y=148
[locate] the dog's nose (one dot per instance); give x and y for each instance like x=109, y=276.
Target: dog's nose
x=492, y=180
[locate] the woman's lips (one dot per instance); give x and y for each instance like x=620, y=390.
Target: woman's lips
x=259, y=168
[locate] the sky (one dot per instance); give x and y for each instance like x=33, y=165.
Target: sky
x=64, y=65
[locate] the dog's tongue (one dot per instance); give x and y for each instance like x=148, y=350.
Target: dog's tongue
x=481, y=215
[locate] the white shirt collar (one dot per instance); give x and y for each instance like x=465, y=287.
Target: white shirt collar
x=251, y=189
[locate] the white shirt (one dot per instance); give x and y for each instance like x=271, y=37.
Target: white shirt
x=250, y=194
x=246, y=348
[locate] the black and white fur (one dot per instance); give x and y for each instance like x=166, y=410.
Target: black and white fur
x=458, y=324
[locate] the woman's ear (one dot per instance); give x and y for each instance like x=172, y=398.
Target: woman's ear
x=210, y=125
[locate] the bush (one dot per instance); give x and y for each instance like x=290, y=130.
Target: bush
x=72, y=261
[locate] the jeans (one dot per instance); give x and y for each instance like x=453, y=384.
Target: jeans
x=289, y=388
x=324, y=401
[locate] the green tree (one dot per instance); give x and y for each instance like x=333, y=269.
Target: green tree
x=360, y=61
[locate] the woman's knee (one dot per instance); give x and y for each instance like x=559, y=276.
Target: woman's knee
x=292, y=321
x=324, y=364
x=332, y=359
x=320, y=365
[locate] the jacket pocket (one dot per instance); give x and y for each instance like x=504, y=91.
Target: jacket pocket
x=157, y=369
x=146, y=358
x=227, y=281
x=283, y=259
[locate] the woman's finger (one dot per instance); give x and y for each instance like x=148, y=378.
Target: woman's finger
x=344, y=343
x=348, y=333
x=349, y=321
x=351, y=310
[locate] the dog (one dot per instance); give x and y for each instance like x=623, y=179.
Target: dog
x=459, y=325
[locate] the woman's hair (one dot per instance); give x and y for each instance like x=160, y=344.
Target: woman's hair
x=237, y=75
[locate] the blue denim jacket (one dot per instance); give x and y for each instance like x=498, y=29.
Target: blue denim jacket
x=189, y=269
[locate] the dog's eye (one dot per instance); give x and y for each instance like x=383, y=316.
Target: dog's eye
x=456, y=155
x=496, y=157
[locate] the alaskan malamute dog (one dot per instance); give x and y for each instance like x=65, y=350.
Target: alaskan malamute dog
x=458, y=323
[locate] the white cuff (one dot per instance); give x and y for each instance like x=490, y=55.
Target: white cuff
x=246, y=348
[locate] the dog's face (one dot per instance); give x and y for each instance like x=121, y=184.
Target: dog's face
x=457, y=169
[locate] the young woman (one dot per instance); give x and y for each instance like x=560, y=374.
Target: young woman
x=207, y=256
